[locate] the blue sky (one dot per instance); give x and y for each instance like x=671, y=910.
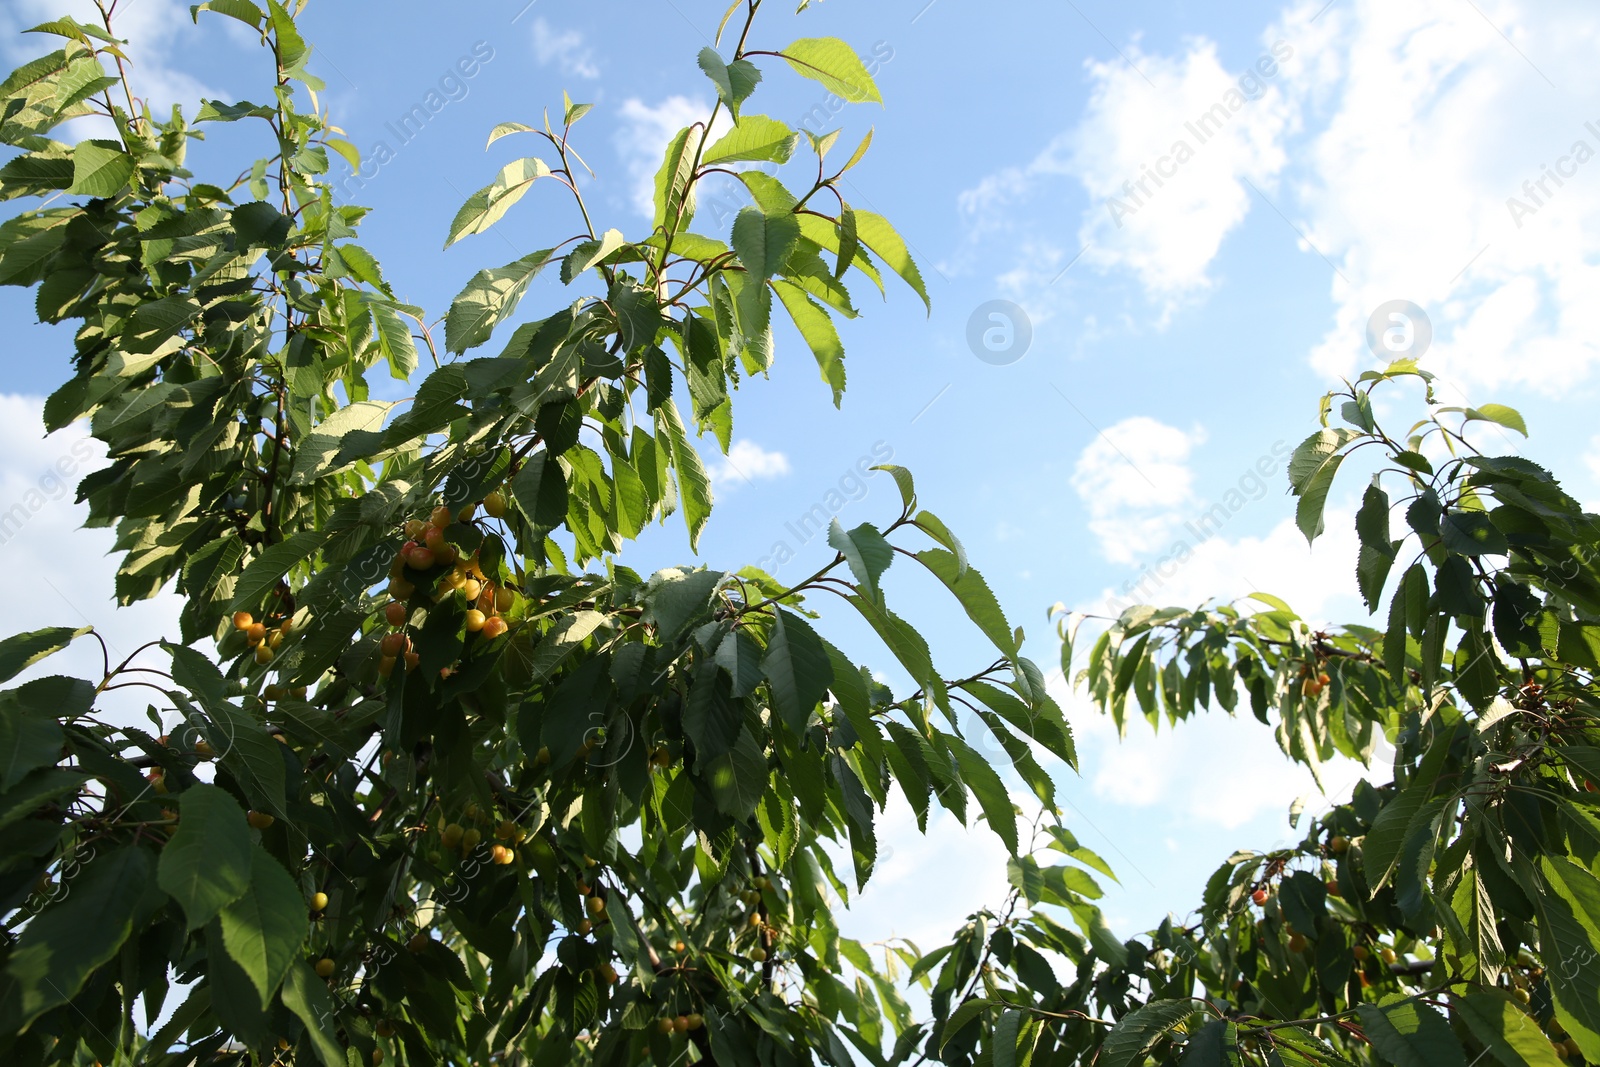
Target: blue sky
x=1181, y=331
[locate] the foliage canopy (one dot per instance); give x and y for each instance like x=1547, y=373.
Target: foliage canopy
x=434, y=776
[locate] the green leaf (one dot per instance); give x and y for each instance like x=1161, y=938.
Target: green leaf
x=819, y=332
x=1471, y=533
x=30, y=735
x=1213, y=1046
x=694, y=485
x=1133, y=1035
x=1394, y=823
x=488, y=205
x=265, y=930
x=968, y=1011
x=975, y=596
x=835, y=65
x=67, y=941
x=740, y=657
x=587, y=254
x=674, y=197
x=980, y=777
x=206, y=866
x=734, y=81
x=1510, y=418
x=865, y=551
x=243, y=10
x=489, y=299
x=756, y=138
x=316, y=456
x=1009, y=1032
x=711, y=717
x=1314, y=498
x=243, y=746
x=506, y=129
x=21, y=651
x=903, y=481
x=100, y=169
x=540, y=489
x=1408, y=1033
x=875, y=232
x=1377, y=549
x=268, y=569
x=1569, y=941
x=395, y=340
x=307, y=996
x=1312, y=455
x=738, y=777
x=763, y=242
x=1506, y=1030
x=796, y=665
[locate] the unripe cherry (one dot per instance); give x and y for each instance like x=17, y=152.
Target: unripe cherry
x=434, y=539
x=243, y=620
x=475, y=620
x=493, y=627
x=504, y=599
x=442, y=516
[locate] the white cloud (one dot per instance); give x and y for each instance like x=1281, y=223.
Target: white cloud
x=645, y=134
x=564, y=48
x=68, y=569
x=1436, y=122
x=745, y=464
x=1163, y=151
x=1136, y=482
x=1445, y=154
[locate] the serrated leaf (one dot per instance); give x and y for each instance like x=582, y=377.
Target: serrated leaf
x=1408, y=1033
x=835, y=66
x=63, y=945
x=206, y=866
x=875, y=232
x=488, y=205
x=540, y=489
x=587, y=254
x=489, y=299
x=1127, y=1042
x=1506, y=1030
x=820, y=334
x=100, y=169
x=797, y=667
x=755, y=138
x=974, y=595
x=865, y=551
x=21, y=651
x=1314, y=499
x=307, y=996
x=763, y=242
x=265, y=929
x=268, y=569
x=1499, y=414
x=738, y=778
x=674, y=189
